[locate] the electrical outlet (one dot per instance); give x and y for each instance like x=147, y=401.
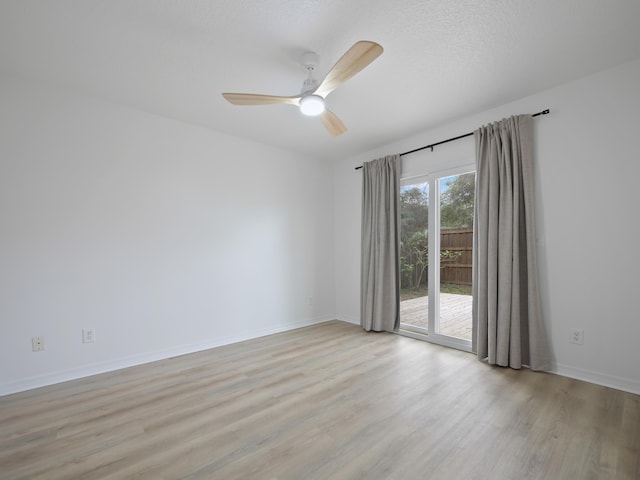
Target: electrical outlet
x=310, y=301
x=577, y=336
x=37, y=344
x=88, y=335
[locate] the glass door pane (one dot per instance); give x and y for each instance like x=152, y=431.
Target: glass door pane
x=414, y=257
x=456, y=201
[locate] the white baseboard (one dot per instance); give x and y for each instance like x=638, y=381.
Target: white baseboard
x=619, y=383
x=52, y=378
x=349, y=319
x=612, y=381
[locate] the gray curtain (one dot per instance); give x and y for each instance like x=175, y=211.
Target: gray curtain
x=379, y=270
x=508, y=324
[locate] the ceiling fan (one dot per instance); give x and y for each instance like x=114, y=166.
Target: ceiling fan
x=312, y=99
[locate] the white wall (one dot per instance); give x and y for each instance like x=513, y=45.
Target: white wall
x=165, y=237
x=588, y=173
x=169, y=238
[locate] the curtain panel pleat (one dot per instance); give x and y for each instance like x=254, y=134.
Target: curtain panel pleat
x=380, y=261
x=508, y=324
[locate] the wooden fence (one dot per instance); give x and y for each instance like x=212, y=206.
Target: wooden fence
x=458, y=271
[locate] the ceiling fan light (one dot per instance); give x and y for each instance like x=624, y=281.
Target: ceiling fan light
x=312, y=105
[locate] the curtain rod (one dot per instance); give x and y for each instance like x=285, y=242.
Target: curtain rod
x=543, y=112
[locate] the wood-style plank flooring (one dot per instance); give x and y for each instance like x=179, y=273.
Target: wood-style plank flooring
x=323, y=402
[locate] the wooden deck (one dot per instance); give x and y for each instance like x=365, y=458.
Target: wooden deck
x=455, y=314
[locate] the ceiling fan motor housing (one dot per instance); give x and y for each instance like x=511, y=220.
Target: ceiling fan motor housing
x=309, y=84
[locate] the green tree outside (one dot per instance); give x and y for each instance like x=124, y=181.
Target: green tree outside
x=456, y=205
x=456, y=211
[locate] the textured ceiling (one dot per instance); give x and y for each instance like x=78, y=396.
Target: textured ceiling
x=442, y=59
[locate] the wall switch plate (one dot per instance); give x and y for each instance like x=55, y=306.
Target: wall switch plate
x=37, y=344
x=577, y=336
x=88, y=335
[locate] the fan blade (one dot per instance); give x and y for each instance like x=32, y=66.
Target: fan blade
x=360, y=55
x=254, y=99
x=332, y=123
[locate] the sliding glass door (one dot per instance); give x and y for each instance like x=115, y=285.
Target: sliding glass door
x=437, y=216
x=414, y=256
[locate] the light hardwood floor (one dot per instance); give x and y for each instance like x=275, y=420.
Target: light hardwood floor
x=327, y=401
